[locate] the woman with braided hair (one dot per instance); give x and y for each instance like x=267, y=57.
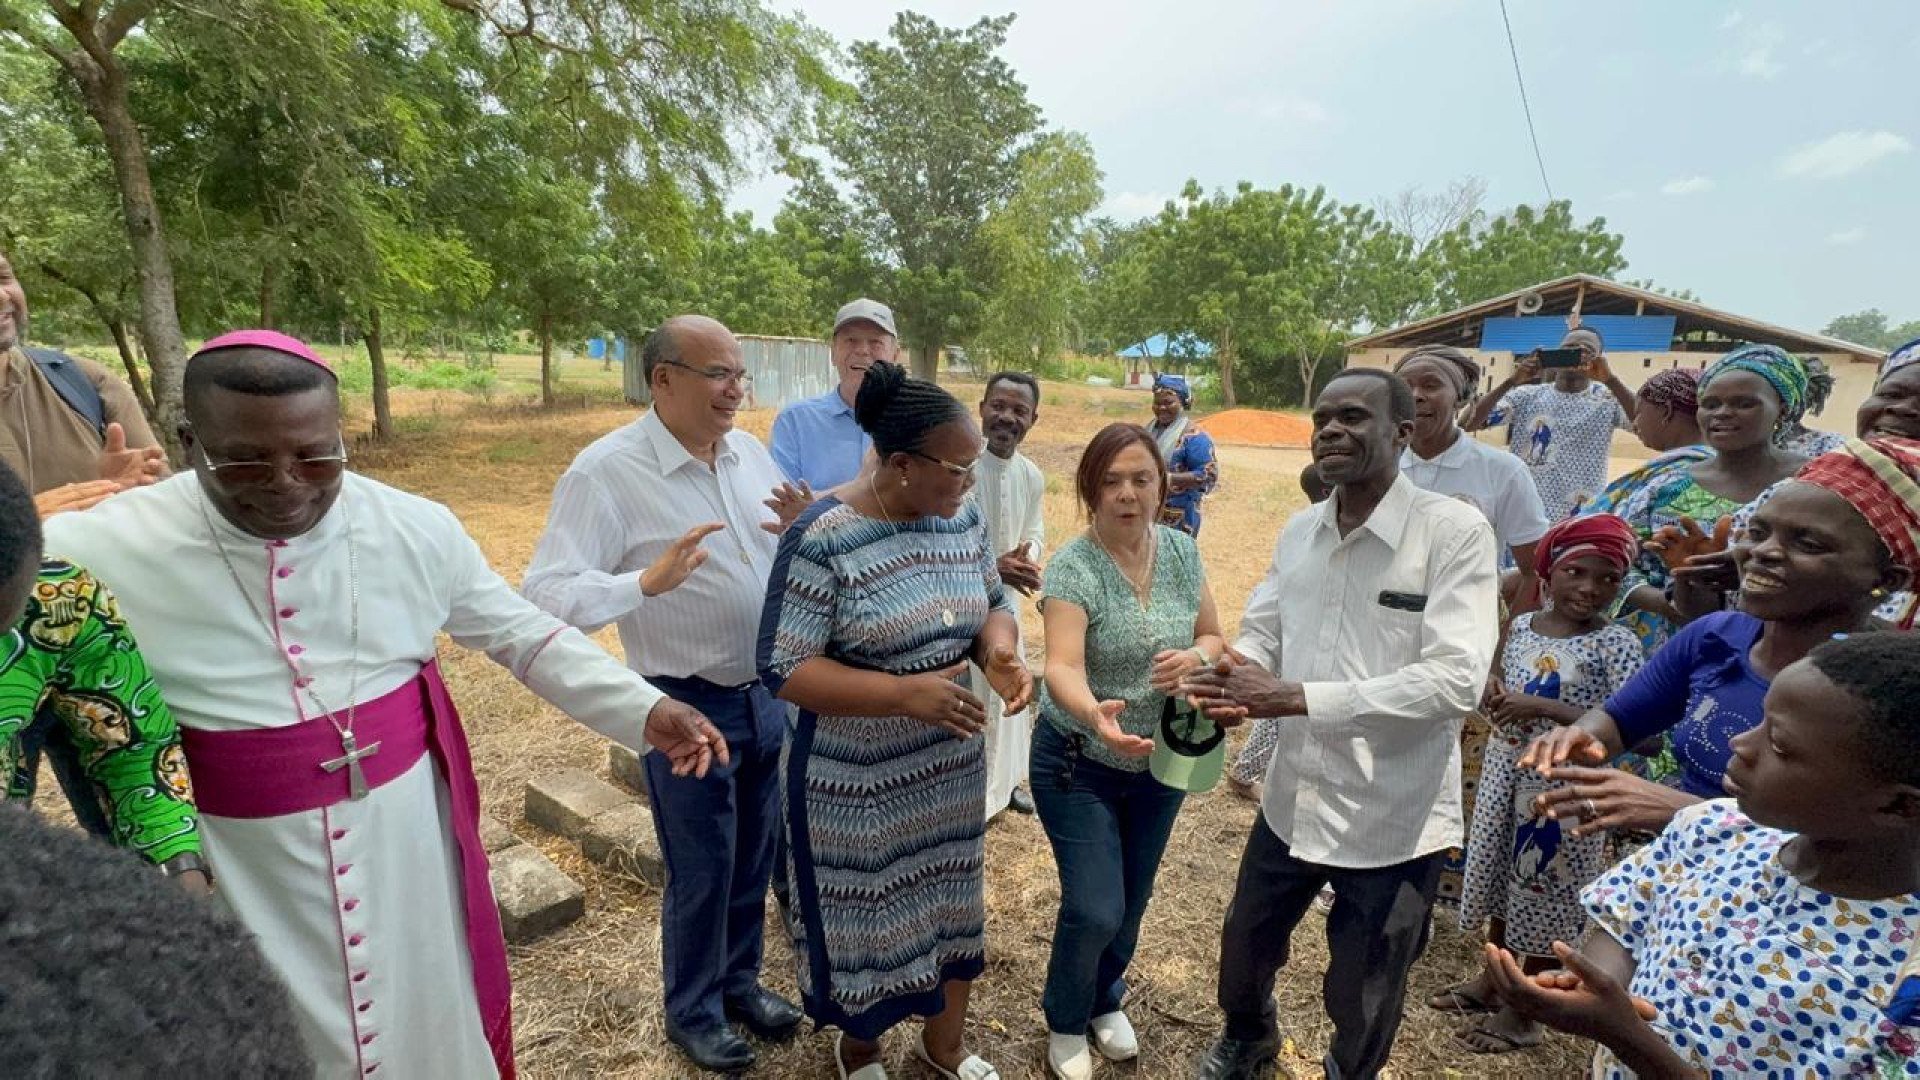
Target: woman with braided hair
x=881, y=593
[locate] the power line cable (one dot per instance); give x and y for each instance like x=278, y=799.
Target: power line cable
x=1524, y=106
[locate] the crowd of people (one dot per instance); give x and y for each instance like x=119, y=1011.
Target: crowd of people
x=1664, y=760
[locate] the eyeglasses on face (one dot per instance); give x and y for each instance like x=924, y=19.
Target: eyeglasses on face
x=715, y=375
x=311, y=471
x=955, y=471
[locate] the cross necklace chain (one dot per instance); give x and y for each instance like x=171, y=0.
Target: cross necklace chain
x=351, y=753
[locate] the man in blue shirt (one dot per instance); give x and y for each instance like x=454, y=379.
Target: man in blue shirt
x=816, y=441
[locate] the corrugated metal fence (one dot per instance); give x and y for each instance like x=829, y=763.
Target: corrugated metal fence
x=782, y=369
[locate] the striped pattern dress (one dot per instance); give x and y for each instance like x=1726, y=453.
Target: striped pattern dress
x=883, y=813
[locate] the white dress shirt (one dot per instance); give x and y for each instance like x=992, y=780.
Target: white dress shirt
x=1370, y=776
x=1490, y=480
x=617, y=508
x=1009, y=491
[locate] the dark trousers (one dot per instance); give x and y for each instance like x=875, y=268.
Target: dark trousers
x=717, y=839
x=1377, y=929
x=1108, y=828
x=46, y=732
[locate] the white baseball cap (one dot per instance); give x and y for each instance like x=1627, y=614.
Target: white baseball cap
x=872, y=311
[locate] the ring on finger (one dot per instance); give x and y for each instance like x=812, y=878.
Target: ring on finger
x=1591, y=811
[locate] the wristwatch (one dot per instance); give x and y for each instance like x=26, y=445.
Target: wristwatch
x=182, y=863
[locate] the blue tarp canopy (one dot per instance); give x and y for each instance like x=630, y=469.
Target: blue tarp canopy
x=1622, y=333
x=1160, y=346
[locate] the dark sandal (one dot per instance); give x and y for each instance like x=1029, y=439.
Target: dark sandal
x=1506, y=1044
x=1461, y=1003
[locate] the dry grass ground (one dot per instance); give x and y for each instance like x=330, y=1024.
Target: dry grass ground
x=588, y=1000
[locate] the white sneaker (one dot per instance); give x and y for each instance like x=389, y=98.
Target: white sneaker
x=1068, y=1057
x=1113, y=1034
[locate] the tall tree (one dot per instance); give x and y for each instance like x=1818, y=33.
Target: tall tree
x=1522, y=247
x=1039, y=247
x=930, y=146
x=1425, y=216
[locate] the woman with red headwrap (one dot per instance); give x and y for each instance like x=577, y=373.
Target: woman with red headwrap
x=1815, y=561
x=1524, y=874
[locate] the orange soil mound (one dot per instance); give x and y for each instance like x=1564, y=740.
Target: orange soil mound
x=1257, y=427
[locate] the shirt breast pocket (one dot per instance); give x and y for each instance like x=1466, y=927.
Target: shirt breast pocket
x=1399, y=610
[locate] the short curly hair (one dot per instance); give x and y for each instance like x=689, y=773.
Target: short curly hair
x=1881, y=673
x=107, y=969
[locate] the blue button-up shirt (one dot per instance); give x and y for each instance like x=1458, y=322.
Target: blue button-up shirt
x=817, y=440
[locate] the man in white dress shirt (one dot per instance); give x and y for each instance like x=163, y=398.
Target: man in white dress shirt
x=1009, y=488
x=289, y=610
x=664, y=528
x=1379, y=612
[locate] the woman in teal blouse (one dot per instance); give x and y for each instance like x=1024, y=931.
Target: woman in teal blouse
x=1128, y=614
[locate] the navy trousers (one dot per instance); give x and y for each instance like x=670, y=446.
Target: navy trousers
x=717, y=838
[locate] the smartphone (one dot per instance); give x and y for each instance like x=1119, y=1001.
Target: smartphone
x=1562, y=358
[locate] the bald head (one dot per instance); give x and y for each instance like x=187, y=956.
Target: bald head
x=673, y=339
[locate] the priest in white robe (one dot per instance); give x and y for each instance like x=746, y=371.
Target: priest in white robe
x=289, y=611
x=1009, y=488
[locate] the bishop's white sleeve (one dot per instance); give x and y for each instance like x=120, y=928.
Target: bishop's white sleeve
x=1457, y=635
x=571, y=575
x=554, y=660
x=1259, y=639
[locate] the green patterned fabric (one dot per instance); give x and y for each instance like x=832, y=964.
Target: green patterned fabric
x=1123, y=638
x=72, y=654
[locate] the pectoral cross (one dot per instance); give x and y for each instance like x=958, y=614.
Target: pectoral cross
x=350, y=761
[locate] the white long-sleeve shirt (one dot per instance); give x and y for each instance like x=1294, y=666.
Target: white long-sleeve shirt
x=619, y=506
x=1009, y=491
x=1370, y=776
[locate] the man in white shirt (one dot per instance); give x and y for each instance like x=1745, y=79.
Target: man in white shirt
x=1009, y=488
x=1379, y=611
x=290, y=612
x=664, y=527
x=816, y=440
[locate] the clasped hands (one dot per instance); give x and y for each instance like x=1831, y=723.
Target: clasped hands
x=1234, y=688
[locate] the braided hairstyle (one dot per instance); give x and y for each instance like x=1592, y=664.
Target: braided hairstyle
x=898, y=411
x=1881, y=673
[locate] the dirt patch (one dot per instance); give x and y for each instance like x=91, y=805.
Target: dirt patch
x=1258, y=427
x=587, y=1000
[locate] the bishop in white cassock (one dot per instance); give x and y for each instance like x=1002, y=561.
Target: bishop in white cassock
x=1008, y=488
x=289, y=611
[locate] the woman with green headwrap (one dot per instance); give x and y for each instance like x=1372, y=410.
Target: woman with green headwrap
x=1749, y=399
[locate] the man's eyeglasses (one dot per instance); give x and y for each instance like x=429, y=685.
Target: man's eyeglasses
x=312, y=471
x=716, y=375
x=955, y=471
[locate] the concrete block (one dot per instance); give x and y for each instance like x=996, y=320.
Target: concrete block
x=565, y=801
x=534, y=897
x=623, y=841
x=495, y=836
x=627, y=770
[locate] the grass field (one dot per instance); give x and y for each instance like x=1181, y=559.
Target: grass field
x=587, y=1000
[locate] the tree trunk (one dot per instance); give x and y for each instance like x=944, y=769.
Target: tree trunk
x=377, y=357
x=103, y=88
x=926, y=362
x=1309, y=368
x=131, y=362
x=1227, y=397
x=546, y=360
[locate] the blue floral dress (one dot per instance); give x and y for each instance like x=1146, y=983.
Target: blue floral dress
x=1752, y=972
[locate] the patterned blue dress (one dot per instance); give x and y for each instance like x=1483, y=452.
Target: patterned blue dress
x=883, y=813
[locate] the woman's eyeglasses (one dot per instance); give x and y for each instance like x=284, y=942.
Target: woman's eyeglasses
x=955, y=471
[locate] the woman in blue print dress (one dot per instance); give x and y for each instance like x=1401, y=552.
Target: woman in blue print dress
x=1192, y=470
x=880, y=594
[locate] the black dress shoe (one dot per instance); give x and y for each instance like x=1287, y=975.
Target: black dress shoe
x=1236, y=1059
x=765, y=1013
x=717, y=1049
x=1021, y=803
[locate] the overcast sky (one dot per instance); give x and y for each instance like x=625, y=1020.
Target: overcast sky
x=1761, y=154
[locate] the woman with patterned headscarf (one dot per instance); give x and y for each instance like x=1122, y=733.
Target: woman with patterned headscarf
x=1668, y=423
x=1801, y=439
x=1891, y=411
x=1191, y=469
x=1747, y=399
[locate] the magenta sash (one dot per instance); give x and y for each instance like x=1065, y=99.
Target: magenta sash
x=271, y=772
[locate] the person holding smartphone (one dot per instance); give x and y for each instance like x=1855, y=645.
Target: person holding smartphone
x=1564, y=429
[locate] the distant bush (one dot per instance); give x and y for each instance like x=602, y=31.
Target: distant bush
x=356, y=377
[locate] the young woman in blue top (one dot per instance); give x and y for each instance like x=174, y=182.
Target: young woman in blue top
x=1813, y=566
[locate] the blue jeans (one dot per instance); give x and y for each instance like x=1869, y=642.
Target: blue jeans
x=1108, y=828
